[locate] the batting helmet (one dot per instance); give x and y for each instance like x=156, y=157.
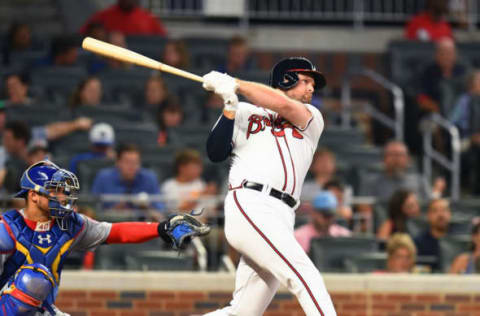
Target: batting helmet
x=284, y=74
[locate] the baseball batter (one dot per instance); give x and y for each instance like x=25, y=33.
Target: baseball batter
x=272, y=141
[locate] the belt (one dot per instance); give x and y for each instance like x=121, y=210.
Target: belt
x=282, y=196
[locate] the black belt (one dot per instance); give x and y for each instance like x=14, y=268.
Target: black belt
x=282, y=196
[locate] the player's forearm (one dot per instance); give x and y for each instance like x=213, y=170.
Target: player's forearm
x=264, y=96
x=132, y=232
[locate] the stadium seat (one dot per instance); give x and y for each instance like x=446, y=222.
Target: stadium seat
x=206, y=52
x=124, y=84
x=140, y=134
x=148, y=256
x=335, y=137
x=407, y=58
x=158, y=260
x=76, y=142
x=113, y=115
x=88, y=170
x=450, y=247
x=149, y=45
x=58, y=82
x=466, y=206
x=37, y=114
x=329, y=254
x=368, y=262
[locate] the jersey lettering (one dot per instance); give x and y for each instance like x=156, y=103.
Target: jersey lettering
x=257, y=123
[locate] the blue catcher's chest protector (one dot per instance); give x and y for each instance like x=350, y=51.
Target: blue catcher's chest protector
x=49, y=248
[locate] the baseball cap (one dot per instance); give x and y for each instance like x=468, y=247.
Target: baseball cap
x=325, y=202
x=102, y=134
x=36, y=144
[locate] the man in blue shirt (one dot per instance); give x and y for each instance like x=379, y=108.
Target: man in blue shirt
x=128, y=177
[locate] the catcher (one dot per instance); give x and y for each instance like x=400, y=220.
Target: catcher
x=37, y=239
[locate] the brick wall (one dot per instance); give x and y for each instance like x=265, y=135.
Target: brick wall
x=186, y=303
x=185, y=294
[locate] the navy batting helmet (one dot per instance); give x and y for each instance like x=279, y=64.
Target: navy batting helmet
x=284, y=74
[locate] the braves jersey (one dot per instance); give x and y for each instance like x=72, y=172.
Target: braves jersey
x=270, y=150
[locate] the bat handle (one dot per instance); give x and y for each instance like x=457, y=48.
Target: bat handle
x=179, y=72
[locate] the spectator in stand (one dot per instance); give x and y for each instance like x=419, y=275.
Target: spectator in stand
x=128, y=17
x=396, y=176
x=128, y=177
x=97, y=30
x=185, y=189
x=343, y=196
x=322, y=221
x=469, y=262
x=19, y=39
x=37, y=151
x=102, y=139
x=118, y=39
x=323, y=169
x=402, y=205
x=438, y=216
x=175, y=54
x=442, y=81
x=57, y=130
x=238, y=56
x=156, y=95
x=430, y=25
x=16, y=138
x=64, y=52
x=170, y=117
x=402, y=253
x=88, y=93
x=16, y=86
x=466, y=116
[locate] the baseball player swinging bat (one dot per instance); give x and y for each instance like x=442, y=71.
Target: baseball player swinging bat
x=126, y=55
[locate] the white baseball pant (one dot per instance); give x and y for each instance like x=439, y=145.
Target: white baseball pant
x=261, y=227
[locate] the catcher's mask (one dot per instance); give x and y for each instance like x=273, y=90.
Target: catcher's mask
x=60, y=186
x=284, y=74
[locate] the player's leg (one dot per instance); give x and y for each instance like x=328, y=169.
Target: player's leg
x=253, y=291
x=268, y=239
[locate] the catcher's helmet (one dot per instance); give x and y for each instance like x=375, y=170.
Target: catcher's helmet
x=44, y=177
x=284, y=74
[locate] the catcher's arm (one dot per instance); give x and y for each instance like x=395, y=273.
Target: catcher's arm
x=176, y=231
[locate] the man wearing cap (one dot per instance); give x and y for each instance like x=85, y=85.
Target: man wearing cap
x=322, y=221
x=102, y=138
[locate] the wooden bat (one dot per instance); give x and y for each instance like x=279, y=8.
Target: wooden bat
x=126, y=55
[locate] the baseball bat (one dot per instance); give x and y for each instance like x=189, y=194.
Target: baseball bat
x=126, y=55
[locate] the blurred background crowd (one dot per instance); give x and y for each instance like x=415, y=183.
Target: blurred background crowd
x=394, y=185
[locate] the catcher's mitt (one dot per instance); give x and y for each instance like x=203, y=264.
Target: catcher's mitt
x=179, y=230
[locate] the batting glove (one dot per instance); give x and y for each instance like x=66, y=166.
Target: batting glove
x=230, y=102
x=218, y=82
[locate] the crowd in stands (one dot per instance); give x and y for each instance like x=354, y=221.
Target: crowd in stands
x=136, y=138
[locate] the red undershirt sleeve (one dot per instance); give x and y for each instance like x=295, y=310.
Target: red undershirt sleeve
x=132, y=232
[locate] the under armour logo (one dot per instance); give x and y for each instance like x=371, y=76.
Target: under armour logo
x=47, y=238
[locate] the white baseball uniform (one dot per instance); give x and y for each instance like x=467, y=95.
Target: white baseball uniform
x=270, y=151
